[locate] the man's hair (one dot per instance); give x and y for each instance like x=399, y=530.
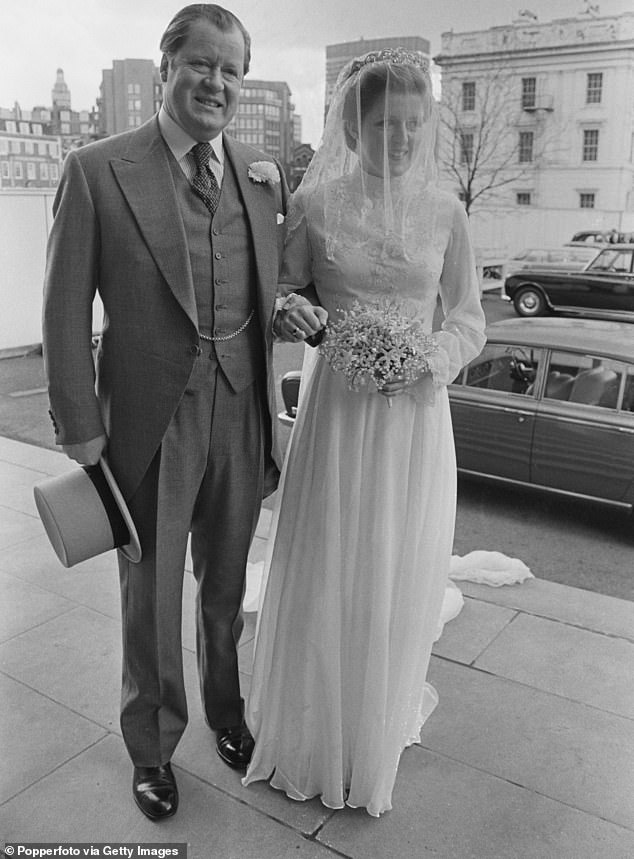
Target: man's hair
x=178, y=28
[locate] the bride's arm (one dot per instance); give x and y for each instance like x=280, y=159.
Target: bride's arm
x=461, y=336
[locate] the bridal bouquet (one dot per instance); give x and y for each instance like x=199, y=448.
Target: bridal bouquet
x=377, y=343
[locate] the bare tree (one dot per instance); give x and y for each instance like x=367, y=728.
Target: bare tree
x=488, y=141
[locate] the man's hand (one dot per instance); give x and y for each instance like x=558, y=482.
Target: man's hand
x=87, y=452
x=299, y=319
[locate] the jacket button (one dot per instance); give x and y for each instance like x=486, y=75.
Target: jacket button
x=218, y=255
x=195, y=350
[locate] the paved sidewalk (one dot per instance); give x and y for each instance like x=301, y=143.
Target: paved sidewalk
x=530, y=752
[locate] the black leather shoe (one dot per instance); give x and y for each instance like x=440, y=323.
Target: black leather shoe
x=235, y=746
x=155, y=792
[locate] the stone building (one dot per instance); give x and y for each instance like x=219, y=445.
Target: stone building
x=555, y=99
x=265, y=119
x=30, y=156
x=130, y=93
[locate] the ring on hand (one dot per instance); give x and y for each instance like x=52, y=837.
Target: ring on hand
x=295, y=331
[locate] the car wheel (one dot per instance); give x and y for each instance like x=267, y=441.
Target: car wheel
x=529, y=301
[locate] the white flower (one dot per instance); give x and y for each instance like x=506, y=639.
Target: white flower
x=264, y=171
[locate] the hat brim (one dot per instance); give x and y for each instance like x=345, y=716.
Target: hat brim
x=132, y=549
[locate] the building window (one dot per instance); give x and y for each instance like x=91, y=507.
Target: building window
x=29, y=148
x=4, y=146
x=594, y=87
x=30, y=170
x=15, y=146
x=52, y=148
x=6, y=172
x=523, y=198
x=54, y=172
x=11, y=127
x=586, y=200
x=468, y=95
x=525, y=149
x=529, y=91
x=466, y=148
x=43, y=170
x=17, y=169
x=590, y=144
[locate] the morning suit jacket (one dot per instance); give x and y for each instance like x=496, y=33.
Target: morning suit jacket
x=118, y=229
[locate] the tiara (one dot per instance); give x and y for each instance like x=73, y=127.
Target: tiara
x=397, y=56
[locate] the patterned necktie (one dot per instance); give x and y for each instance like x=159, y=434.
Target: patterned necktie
x=205, y=183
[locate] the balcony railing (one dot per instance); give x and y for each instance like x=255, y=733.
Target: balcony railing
x=540, y=102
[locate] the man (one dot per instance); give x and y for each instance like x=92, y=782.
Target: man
x=181, y=242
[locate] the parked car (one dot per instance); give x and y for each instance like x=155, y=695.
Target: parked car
x=568, y=257
x=604, y=288
x=549, y=403
x=612, y=236
x=600, y=236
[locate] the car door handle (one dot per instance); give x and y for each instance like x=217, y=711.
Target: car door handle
x=521, y=416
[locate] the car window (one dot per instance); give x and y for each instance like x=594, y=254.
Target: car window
x=581, y=254
x=627, y=404
x=580, y=378
x=504, y=367
x=613, y=260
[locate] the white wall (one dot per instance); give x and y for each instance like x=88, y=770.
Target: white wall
x=501, y=233
x=25, y=219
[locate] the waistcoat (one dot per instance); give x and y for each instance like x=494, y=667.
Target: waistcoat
x=224, y=275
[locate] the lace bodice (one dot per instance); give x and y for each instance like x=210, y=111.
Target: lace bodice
x=428, y=254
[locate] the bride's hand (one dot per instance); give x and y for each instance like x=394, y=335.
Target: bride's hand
x=398, y=386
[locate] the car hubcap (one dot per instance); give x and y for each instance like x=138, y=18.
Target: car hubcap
x=529, y=303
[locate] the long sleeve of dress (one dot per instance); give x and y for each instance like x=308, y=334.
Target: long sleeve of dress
x=461, y=336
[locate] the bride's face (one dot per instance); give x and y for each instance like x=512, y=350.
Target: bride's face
x=393, y=134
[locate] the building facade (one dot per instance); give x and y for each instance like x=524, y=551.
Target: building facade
x=555, y=99
x=265, y=119
x=30, y=157
x=338, y=55
x=130, y=93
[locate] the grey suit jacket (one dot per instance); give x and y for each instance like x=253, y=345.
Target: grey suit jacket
x=118, y=230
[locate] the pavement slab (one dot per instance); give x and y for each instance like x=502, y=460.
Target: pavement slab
x=74, y=659
x=89, y=800
x=23, y=606
x=570, y=752
x=443, y=808
x=585, y=666
x=586, y=609
x=37, y=736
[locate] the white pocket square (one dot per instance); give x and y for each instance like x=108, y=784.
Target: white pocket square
x=280, y=218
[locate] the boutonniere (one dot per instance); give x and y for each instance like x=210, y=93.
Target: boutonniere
x=264, y=171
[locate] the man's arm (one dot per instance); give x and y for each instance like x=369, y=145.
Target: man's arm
x=69, y=289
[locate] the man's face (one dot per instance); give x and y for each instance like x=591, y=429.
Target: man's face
x=203, y=80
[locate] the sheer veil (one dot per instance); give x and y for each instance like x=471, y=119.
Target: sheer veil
x=352, y=160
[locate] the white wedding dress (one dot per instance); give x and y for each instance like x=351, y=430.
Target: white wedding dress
x=362, y=532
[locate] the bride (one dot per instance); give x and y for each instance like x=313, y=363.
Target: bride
x=363, y=527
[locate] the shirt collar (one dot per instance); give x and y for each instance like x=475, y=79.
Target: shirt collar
x=180, y=142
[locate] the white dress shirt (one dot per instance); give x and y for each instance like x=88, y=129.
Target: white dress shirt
x=180, y=144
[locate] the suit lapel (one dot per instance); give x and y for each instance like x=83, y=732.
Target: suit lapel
x=259, y=204
x=145, y=179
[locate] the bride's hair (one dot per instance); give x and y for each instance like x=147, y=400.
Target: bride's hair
x=386, y=202
x=376, y=80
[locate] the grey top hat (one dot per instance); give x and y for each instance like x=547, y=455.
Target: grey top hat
x=84, y=515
